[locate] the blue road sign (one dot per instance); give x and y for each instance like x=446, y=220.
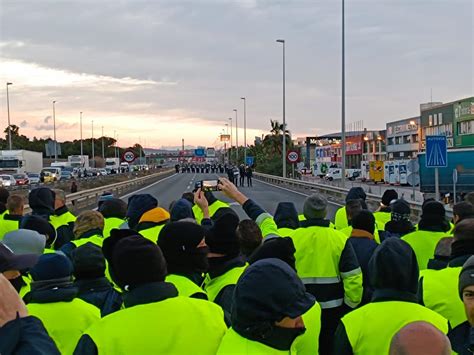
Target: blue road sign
x=199, y=152
x=249, y=161
x=436, y=152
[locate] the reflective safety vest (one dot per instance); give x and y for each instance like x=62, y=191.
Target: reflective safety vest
x=95, y=239
x=62, y=220
x=424, y=244
x=215, y=285
x=382, y=218
x=177, y=325
x=185, y=286
x=27, y=287
x=8, y=224
x=212, y=210
x=65, y=321
x=440, y=294
x=285, y=232
x=370, y=329
x=318, y=254
x=152, y=233
x=233, y=343
x=308, y=343
x=111, y=223
x=340, y=220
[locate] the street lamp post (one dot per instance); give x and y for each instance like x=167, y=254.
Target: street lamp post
x=54, y=132
x=230, y=119
x=225, y=145
x=236, y=138
x=245, y=130
x=80, y=123
x=115, y=144
x=103, y=148
x=343, y=104
x=282, y=41
x=9, y=125
x=93, y=152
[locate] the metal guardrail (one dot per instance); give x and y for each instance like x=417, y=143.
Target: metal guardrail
x=89, y=197
x=332, y=193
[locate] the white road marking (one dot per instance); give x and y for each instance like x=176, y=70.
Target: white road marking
x=147, y=187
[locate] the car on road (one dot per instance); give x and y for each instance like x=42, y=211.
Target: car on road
x=103, y=172
x=47, y=177
x=53, y=171
x=21, y=179
x=7, y=180
x=34, y=178
x=66, y=175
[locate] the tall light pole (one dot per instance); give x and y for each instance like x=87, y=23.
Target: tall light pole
x=9, y=125
x=236, y=138
x=226, y=148
x=54, y=132
x=343, y=104
x=103, y=149
x=80, y=124
x=115, y=144
x=245, y=130
x=93, y=152
x=230, y=119
x=282, y=41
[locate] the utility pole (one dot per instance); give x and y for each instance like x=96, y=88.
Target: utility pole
x=103, y=148
x=93, y=152
x=80, y=123
x=54, y=133
x=245, y=129
x=9, y=124
x=343, y=104
x=282, y=41
x=236, y=138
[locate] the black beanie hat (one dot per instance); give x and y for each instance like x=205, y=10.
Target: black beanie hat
x=364, y=220
x=278, y=248
x=388, y=196
x=88, y=261
x=177, y=240
x=222, y=237
x=466, y=277
x=113, y=208
x=400, y=210
x=135, y=261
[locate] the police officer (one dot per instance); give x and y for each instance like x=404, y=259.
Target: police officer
x=155, y=319
x=394, y=277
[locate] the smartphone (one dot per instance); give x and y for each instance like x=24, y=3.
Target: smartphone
x=210, y=185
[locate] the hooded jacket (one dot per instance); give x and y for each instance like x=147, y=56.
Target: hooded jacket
x=137, y=206
x=41, y=201
x=286, y=216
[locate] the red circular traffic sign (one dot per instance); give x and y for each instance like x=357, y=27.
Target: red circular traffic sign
x=129, y=156
x=293, y=156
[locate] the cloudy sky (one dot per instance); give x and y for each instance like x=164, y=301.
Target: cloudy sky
x=163, y=70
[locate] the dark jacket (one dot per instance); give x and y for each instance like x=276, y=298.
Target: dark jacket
x=137, y=206
x=26, y=336
x=393, y=274
x=100, y=293
x=462, y=339
x=143, y=294
x=364, y=246
x=41, y=201
x=286, y=216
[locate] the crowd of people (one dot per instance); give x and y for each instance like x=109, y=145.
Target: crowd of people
x=237, y=174
x=138, y=278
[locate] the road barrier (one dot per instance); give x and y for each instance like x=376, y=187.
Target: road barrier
x=82, y=199
x=334, y=194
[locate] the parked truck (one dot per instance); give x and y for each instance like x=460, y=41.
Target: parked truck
x=79, y=161
x=112, y=165
x=20, y=161
x=461, y=160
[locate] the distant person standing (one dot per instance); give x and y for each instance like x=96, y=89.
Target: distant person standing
x=249, y=175
x=242, y=175
x=73, y=186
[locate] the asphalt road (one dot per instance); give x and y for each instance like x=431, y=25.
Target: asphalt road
x=268, y=196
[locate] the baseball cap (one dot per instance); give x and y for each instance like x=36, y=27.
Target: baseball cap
x=11, y=261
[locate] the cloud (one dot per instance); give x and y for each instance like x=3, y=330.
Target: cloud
x=23, y=124
x=47, y=119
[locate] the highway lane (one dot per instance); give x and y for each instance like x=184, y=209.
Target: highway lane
x=266, y=195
